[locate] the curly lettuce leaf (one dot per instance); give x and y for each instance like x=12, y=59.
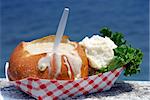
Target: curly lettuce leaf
x=125, y=55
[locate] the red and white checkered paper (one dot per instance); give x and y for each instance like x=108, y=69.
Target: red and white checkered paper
x=55, y=89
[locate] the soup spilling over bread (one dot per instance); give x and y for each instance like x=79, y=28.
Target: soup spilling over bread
x=37, y=59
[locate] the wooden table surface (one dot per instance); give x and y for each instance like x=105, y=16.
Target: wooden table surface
x=121, y=90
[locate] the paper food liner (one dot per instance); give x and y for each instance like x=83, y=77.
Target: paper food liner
x=55, y=89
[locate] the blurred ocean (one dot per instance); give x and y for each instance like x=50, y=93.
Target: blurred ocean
x=25, y=20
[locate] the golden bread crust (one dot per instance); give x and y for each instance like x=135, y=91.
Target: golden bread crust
x=23, y=65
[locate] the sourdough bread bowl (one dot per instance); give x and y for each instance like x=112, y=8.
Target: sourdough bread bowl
x=37, y=59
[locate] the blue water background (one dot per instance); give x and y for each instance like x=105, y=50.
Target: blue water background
x=25, y=20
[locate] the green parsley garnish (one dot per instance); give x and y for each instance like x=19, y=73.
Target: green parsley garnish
x=125, y=55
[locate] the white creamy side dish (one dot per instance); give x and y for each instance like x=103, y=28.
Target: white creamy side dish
x=99, y=50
